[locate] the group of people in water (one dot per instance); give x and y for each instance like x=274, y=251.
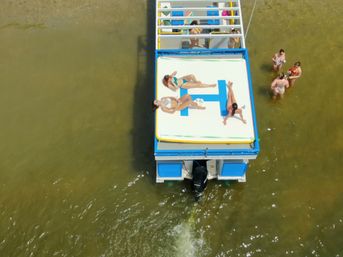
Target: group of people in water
x=171, y=104
x=283, y=80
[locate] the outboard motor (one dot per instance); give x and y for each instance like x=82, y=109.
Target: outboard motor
x=199, y=173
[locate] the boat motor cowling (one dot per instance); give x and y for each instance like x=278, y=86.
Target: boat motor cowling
x=199, y=173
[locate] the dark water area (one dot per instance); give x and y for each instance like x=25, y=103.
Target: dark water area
x=76, y=129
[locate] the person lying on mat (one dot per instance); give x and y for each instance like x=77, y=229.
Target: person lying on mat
x=232, y=106
x=188, y=81
x=171, y=104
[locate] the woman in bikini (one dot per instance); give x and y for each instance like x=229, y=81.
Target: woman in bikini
x=232, y=106
x=278, y=60
x=171, y=104
x=294, y=73
x=188, y=81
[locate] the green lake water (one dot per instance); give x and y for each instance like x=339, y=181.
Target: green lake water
x=76, y=131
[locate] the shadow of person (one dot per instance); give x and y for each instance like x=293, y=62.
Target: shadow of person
x=264, y=90
x=266, y=67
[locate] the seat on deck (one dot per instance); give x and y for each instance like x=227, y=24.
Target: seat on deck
x=212, y=13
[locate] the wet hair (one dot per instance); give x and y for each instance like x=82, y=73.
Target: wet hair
x=194, y=23
x=234, y=108
x=165, y=80
x=154, y=106
x=281, y=51
x=281, y=75
x=297, y=63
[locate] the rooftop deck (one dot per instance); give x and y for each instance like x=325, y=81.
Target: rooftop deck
x=205, y=126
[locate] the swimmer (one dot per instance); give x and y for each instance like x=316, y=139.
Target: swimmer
x=171, y=104
x=278, y=60
x=188, y=81
x=294, y=73
x=232, y=106
x=279, y=85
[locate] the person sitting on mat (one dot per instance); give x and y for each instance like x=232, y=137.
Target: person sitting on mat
x=171, y=104
x=188, y=81
x=232, y=106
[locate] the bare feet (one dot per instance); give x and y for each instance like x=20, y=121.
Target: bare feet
x=229, y=84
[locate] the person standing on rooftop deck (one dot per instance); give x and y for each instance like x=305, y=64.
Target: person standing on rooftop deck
x=171, y=104
x=187, y=81
x=235, y=42
x=278, y=60
x=294, y=73
x=232, y=106
x=194, y=42
x=279, y=85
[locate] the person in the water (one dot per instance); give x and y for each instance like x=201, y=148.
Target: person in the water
x=278, y=60
x=232, y=106
x=294, y=73
x=172, y=104
x=279, y=85
x=187, y=81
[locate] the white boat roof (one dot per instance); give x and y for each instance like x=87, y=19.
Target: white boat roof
x=205, y=126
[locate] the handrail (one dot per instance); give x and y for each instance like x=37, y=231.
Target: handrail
x=224, y=35
x=219, y=17
x=198, y=9
x=198, y=26
x=241, y=22
x=193, y=1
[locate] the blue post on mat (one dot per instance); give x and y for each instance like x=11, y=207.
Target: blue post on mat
x=221, y=97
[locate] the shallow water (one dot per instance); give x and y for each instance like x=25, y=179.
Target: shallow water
x=76, y=164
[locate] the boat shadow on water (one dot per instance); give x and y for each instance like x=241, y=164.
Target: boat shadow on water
x=143, y=116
